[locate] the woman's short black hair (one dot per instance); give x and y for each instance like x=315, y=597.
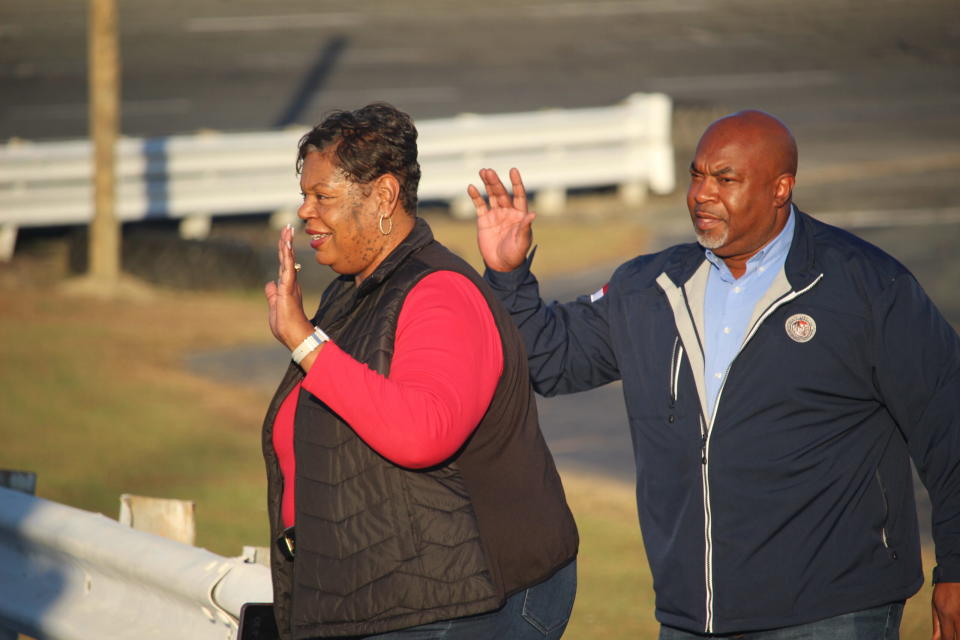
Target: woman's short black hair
x=369, y=142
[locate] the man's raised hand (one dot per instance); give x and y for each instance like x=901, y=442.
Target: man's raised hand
x=504, y=231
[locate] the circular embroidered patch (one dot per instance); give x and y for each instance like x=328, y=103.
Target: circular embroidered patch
x=801, y=327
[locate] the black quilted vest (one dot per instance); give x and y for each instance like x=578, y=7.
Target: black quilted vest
x=380, y=547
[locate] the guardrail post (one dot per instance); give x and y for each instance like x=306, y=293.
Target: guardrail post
x=550, y=201
x=195, y=227
x=650, y=152
x=633, y=193
x=283, y=217
x=256, y=555
x=461, y=208
x=8, y=241
x=173, y=519
x=22, y=481
x=660, y=145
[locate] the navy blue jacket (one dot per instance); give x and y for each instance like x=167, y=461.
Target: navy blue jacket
x=796, y=503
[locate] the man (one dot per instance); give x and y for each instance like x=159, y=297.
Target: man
x=778, y=375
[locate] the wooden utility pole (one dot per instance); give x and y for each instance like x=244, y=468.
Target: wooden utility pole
x=104, y=71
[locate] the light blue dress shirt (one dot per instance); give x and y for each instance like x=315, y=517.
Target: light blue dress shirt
x=729, y=303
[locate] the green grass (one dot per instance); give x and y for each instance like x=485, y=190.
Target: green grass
x=615, y=590
x=96, y=403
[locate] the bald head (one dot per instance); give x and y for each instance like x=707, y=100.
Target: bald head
x=741, y=185
x=768, y=140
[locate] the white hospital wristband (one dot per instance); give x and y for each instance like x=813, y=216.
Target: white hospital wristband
x=311, y=342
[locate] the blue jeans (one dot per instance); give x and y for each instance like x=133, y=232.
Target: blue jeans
x=878, y=623
x=540, y=612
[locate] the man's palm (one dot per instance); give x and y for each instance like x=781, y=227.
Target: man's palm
x=504, y=232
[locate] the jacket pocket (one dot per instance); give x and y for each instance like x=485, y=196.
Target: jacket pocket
x=676, y=358
x=885, y=507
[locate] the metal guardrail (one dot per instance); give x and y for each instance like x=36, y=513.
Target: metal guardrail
x=197, y=176
x=67, y=574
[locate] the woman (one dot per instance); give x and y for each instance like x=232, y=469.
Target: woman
x=410, y=490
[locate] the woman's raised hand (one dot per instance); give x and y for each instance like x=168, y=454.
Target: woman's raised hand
x=287, y=321
x=504, y=231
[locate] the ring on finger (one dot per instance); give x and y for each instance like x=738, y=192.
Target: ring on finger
x=297, y=266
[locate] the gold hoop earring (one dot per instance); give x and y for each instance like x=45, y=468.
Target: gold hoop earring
x=380, y=225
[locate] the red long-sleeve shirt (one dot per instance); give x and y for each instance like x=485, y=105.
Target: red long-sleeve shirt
x=446, y=363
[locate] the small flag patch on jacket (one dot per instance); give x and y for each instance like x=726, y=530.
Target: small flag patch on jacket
x=599, y=293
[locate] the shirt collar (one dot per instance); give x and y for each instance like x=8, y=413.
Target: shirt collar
x=772, y=253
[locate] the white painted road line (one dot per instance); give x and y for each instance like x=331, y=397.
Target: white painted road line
x=160, y=107
x=913, y=163
x=273, y=23
x=611, y=8
x=394, y=55
x=398, y=94
x=741, y=81
x=601, y=9
x=892, y=217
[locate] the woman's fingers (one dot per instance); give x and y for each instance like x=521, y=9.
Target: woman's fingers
x=287, y=268
x=280, y=257
x=284, y=299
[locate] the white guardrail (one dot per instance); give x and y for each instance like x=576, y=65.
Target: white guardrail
x=193, y=177
x=67, y=574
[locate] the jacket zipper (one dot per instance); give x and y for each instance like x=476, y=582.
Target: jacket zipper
x=705, y=433
x=707, y=527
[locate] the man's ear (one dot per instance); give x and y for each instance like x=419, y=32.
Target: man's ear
x=783, y=189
